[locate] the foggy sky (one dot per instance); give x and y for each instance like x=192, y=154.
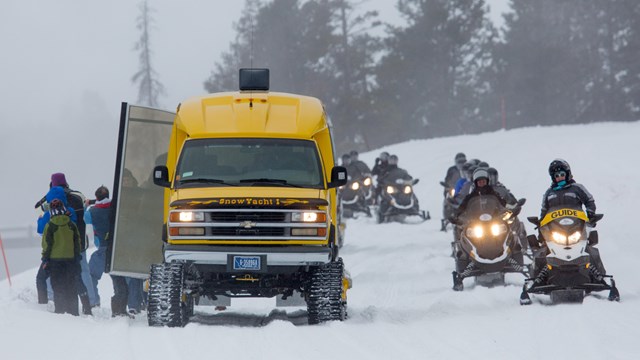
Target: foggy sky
x=65, y=67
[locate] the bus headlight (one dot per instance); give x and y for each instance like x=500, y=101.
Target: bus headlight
x=186, y=216
x=308, y=217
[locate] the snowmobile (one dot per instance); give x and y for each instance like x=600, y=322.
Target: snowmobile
x=354, y=197
x=448, y=208
x=486, y=246
x=399, y=203
x=569, y=273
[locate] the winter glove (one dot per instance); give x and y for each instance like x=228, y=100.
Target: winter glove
x=45, y=265
x=591, y=217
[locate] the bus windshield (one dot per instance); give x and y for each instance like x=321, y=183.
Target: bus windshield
x=249, y=162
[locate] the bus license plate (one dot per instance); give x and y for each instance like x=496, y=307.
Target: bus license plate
x=247, y=263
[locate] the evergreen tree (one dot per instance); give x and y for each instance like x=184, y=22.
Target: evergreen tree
x=317, y=47
x=150, y=87
x=429, y=81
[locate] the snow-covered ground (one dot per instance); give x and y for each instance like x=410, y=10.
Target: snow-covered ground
x=401, y=305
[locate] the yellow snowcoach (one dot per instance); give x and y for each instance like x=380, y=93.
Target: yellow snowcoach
x=249, y=209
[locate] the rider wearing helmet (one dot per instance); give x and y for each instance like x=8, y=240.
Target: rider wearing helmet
x=463, y=186
x=359, y=165
x=380, y=168
x=564, y=191
x=454, y=173
x=481, y=186
x=394, y=172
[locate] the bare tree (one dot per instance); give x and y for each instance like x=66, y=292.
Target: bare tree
x=150, y=87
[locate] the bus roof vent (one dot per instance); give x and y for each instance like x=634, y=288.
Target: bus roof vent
x=254, y=79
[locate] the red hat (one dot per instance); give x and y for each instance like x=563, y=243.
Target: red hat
x=58, y=179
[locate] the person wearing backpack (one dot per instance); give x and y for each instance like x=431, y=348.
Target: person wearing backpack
x=74, y=201
x=61, y=253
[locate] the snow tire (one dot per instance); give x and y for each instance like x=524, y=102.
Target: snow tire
x=324, y=297
x=166, y=288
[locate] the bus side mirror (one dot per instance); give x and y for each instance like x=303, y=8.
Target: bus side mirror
x=161, y=176
x=338, y=177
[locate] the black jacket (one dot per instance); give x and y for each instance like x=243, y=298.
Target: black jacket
x=572, y=195
x=477, y=191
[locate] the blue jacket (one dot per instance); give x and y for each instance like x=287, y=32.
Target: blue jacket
x=55, y=192
x=99, y=216
x=459, y=185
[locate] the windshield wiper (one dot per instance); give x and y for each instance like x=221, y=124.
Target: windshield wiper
x=268, y=181
x=205, y=180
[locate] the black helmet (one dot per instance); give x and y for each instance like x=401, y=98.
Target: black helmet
x=470, y=168
x=384, y=156
x=346, y=160
x=354, y=155
x=475, y=162
x=393, y=160
x=460, y=158
x=559, y=165
x=483, y=164
x=480, y=173
x=493, y=175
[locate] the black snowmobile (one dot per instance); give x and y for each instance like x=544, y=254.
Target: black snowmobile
x=398, y=202
x=485, y=245
x=569, y=273
x=448, y=208
x=353, y=196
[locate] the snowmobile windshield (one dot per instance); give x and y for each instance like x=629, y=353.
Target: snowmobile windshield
x=249, y=162
x=483, y=207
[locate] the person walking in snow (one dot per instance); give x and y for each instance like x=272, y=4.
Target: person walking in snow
x=98, y=215
x=75, y=201
x=61, y=253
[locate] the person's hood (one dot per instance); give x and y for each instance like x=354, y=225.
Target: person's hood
x=57, y=192
x=60, y=219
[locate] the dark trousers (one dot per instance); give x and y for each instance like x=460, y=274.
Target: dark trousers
x=64, y=281
x=120, y=295
x=41, y=284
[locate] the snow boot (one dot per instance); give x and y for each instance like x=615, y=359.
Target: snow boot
x=119, y=308
x=43, y=297
x=524, y=296
x=457, y=282
x=614, y=294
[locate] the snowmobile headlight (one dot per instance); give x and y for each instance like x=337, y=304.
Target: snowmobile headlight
x=574, y=238
x=355, y=186
x=407, y=189
x=308, y=217
x=559, y=238
x=476, y=232
x=391, y=189
x=186, y=216
x=367, y=181
x=497, y=229
x=452, y=192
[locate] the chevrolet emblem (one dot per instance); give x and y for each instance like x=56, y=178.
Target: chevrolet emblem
x=247, y=224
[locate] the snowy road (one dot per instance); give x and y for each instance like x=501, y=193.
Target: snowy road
x=401, y=305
